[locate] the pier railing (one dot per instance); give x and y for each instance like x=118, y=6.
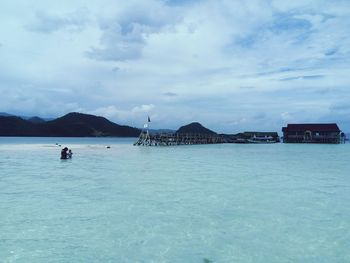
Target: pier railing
x=168, y=139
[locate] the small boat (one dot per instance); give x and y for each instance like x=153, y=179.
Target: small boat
x=265, y=139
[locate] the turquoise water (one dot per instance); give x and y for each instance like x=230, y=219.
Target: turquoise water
x=202, y=203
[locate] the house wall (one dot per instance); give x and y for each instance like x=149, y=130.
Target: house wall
x=316, y=137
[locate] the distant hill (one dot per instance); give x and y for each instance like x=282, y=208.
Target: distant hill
x=16, y=126
x=195, y=128
x=36, y=120
x=32, y=119
x=70, y=125
x=4, y=114
x=85, y=125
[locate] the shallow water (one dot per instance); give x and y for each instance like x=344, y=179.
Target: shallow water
x=201, y=203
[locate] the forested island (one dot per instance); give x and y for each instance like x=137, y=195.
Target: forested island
x=70, y=125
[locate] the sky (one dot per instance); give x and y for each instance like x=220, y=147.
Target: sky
x=232, y=65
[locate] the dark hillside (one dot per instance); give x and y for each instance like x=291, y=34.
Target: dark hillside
x=36, y=120
x=70, y=125
x=15, y=126
x=86, y=125
x=195, y=128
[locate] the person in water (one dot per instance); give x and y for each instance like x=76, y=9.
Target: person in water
x=70, y=153
x=64, y=154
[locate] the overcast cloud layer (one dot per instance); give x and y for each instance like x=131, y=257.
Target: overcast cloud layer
x=231, y=65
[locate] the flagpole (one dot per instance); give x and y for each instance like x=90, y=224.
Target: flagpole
x=148, y=136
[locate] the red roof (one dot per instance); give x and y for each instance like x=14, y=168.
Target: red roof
x=320, y=127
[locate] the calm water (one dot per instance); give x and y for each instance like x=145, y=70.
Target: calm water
x=205, y=203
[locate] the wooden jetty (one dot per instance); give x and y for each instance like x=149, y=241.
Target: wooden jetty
x=195, y=133
x=169, y=139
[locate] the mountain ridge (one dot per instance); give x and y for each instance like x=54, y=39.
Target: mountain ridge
x=70, y=125
x=195, y=128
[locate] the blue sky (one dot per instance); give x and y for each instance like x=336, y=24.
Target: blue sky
x=231, y=65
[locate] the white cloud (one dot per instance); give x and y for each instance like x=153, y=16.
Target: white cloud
x=134, y=116
x=143, y=108
x=110, y=112
x=189, y=59
x=286, y=116
x=124, y=35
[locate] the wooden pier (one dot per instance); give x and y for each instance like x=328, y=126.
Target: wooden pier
x=194, y=133
x=169, y=139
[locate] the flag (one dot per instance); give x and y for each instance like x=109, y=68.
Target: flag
x=149, y=119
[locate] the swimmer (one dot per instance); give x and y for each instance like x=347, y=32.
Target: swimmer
x=64, y=153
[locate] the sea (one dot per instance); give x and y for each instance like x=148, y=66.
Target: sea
x=268, y=203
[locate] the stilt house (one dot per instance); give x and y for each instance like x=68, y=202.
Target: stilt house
x=312, y=133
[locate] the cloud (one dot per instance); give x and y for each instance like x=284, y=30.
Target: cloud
x=220, y=62
x=143, y=108
x=286, y=116
x=110, y=112
x=134, y=116
x=124, y=36
x=180, y=2
x=45, y=22
x=260, y=116
x=340, y=106
x=331, y=52
x=310, y=77
x=25, y=100
x=279, y=25
x=169, y=94
x=119, y=46
x=285, y=22
x=247, y=87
